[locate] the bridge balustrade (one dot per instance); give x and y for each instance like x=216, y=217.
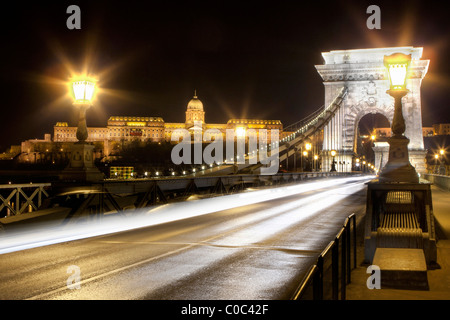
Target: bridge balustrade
x=16, y=199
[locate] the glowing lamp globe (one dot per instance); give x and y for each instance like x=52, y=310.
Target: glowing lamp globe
x=308, y=146
x=83, y=90
x=397, y=65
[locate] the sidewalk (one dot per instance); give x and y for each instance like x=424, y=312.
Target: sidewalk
x=438, y=279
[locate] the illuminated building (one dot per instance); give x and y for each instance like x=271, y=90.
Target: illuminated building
x=154, y=129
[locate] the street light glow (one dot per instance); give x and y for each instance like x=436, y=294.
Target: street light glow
x=397, y=65
x=83, y=90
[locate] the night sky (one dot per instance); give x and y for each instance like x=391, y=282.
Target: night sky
x=252, y=59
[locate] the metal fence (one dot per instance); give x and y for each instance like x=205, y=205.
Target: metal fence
x=20, y=198
x=328, y=277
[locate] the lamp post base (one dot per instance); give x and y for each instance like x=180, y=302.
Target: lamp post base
x=81, y=166
x=398, y=168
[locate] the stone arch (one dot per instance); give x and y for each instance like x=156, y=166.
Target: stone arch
x=363, y=73
x=387, y=112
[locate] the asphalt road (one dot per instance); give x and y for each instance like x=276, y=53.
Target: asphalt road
x=258, y=250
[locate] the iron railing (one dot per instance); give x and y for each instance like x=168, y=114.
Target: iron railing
x=16, y=199
x=334, y=262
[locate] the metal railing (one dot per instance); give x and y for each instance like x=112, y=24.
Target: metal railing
x=19, y=198
x=334, y=262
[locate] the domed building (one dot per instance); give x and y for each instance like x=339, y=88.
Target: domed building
x=194, y=112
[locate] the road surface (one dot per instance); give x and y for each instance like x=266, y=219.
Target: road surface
x=254, y=245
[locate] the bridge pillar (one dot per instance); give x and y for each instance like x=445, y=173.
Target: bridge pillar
x=364, y=74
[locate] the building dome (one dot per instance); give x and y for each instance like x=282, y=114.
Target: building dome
x=195, y=103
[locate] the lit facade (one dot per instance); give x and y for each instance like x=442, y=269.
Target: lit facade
x=155, y=129
x=386, y=132
x=441, y=129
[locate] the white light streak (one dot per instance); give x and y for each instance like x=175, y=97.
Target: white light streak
x=146, y=217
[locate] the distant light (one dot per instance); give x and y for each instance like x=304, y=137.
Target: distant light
x=240, y=132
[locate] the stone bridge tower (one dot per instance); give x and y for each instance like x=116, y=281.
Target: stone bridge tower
x=363, y=73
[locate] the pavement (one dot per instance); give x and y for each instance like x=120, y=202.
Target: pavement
x=438, y=278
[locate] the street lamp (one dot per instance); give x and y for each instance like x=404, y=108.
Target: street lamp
x=441, y=163
x=308, y=146
x=81, y=166
x=398, y=168
x=83, y=90
x=333, y=163
x=436, y=158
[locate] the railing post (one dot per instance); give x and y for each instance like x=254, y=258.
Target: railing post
x=17, y=201
x=354, y=240
x=335, y=269
x=318, y=280
x=348, y=251
x=344, y=263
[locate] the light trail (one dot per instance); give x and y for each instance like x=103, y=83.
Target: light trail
x=161, y=214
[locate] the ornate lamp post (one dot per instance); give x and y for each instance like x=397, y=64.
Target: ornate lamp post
x=81, y=166
x=441, y=163
x=398, y=168
x=333, y=163
x=436, y=168
x=83, y=93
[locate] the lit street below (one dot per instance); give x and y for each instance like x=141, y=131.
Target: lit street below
x=253, y=245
